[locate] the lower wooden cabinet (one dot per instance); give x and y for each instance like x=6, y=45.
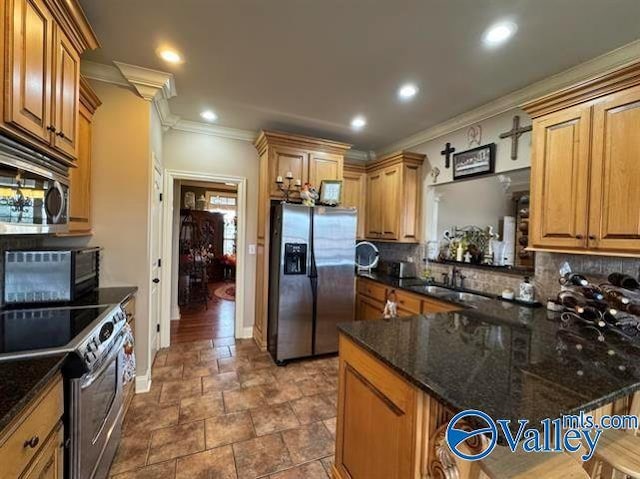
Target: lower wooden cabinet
x=32, y=444
x=368, y=308
x=376, y=406
x=49, y=464
x=372, y=296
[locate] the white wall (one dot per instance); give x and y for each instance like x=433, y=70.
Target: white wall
x=491, y=130
x=195, y=152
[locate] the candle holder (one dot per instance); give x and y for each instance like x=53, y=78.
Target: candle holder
x=291, y=187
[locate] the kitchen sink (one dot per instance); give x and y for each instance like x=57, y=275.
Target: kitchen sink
x=436, y=290
x=465, y=297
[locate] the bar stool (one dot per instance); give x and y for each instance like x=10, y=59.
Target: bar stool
x=620, y=450
x=504, y=464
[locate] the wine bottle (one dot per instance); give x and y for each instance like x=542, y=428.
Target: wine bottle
x=602, y=307
x=570, y=299
x=592, y=292
x=634, y=309
x=575, y=279
x=616, y=297
x=623, y=280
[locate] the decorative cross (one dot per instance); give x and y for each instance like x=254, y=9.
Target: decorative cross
x=447, y=154
x=515, y=133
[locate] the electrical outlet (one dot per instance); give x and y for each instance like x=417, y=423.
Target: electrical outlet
x=252, y=249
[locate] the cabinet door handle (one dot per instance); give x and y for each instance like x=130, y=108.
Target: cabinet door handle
x=592, y=237
x=32, y=443
x=51, y=128
x=579, y=237
x=60, y=134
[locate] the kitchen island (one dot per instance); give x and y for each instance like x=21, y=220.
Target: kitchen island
x=402, y=380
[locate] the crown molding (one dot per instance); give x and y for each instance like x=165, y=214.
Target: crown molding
x=582, y=72
x=103, y=73
x=215, y=130
x=359, y=155
x=147, y=82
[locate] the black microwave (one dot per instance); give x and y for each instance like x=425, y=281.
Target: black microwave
x=49, y=275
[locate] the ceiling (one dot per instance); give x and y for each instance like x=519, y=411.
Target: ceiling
x=309, y=66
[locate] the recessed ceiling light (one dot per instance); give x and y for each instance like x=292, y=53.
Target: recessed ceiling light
x=499, y=33
x=170, y=56
x=358, y=122
x=407, y=91
x=209, y=115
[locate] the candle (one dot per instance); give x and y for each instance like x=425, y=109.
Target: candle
x=298, y=182
x=289, y=175
x=279, y=179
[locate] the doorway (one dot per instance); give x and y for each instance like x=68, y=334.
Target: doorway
x=204, y=248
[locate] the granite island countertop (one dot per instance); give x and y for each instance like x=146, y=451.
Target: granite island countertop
x=507, y=360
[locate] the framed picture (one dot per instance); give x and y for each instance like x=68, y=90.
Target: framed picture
x=330, y=192
x=475, y=162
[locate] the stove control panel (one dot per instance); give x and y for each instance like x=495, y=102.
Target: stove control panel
x=100, y=341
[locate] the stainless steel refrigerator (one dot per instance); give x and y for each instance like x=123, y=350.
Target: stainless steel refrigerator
x=311, y=279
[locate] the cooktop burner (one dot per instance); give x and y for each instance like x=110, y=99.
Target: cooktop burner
x=45, y=328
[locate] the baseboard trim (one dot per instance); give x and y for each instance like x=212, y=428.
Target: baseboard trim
x=175, y=314
x=246, y=333
x=143, y=383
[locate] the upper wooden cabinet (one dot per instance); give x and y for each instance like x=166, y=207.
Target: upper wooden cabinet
x=559, y=177
x=309, y=160
x=41, y=65
x=67, y=92
x=80, y=177
x=394, y=192
x=354, y=192
x=585, y=168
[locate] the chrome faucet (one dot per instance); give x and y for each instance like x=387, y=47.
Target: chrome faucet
x=456, y=273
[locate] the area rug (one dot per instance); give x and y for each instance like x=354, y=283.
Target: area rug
x=227, y=291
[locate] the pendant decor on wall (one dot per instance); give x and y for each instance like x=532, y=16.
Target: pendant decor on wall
x=448, y=150
x=514, y=133
x=474, y=136
x=474, y=162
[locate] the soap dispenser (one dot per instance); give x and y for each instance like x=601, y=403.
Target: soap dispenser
x=527, y=291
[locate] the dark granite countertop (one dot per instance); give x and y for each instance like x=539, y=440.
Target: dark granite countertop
x=21, y=381
x=508, y=368
x=507, y=360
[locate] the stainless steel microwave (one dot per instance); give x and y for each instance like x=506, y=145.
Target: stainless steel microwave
x=33, y=199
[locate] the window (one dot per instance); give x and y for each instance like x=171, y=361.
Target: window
x=225, y=203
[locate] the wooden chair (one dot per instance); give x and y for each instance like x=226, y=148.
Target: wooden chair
x=504, y=464
x=618, y=451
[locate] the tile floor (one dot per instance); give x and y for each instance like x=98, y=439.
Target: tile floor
x=222, y=409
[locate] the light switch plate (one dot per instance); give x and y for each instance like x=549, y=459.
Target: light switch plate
x=252, y=249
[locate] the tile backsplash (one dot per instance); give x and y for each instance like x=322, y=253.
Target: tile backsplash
x=596, y=268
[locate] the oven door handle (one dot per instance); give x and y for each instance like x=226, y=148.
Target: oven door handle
x=105, y=364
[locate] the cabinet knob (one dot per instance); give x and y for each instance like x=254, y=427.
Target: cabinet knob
x=60, y=134
x=32, y=443
x=592, y=237
x=51, y=128
x=579, y=237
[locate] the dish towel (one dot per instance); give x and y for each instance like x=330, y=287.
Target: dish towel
x=129, y=369
x=390, y=310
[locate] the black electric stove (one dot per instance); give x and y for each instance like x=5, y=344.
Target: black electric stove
x=85, y=330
